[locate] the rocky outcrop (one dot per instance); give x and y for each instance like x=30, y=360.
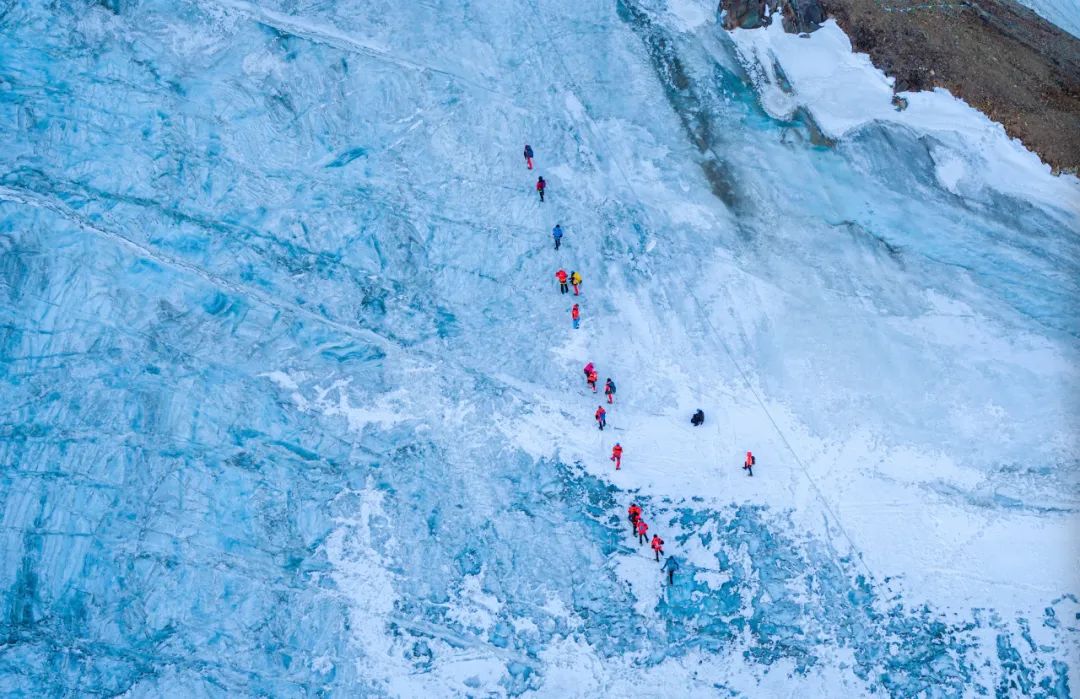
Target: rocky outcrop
x=996, y=55
x=797, y=16
x=744, y=14
x=801, y=16
x=999, y=57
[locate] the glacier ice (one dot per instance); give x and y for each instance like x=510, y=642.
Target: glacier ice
x=291, y=408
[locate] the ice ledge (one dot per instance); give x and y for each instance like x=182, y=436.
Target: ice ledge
x=843, y=92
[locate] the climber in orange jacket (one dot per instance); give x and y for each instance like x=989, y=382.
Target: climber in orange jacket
x=609, y=390
x=748, y=465
x=642, y=530
x=601, y=417
x=616, y=455
x=575, y=316
x=561, y=276
x=657, y=546
x=591, y=380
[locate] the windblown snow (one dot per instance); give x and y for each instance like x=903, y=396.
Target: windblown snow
x=293, y=405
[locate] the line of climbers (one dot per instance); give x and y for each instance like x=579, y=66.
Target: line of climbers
x=638, y=525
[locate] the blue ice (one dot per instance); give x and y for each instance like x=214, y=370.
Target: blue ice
x=274, y=295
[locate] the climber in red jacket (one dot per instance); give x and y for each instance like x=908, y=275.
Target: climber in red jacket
x=657, y=546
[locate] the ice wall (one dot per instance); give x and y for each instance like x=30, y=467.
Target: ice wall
x=291, y=406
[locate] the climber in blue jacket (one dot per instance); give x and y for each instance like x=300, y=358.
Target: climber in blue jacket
x=670, y=565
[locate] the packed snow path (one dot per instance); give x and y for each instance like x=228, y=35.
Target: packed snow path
x=291, y=404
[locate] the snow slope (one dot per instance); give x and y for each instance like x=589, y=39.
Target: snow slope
x=292, y=405
x=1063, y=13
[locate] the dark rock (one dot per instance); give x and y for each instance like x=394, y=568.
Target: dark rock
x=745, y=14
x=798, y=16
x=801, y=16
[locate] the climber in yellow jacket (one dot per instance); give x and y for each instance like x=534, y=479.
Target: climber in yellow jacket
x=575, y=281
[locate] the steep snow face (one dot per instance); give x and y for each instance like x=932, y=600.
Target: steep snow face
x=292, y=405
x=1063, y=13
